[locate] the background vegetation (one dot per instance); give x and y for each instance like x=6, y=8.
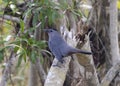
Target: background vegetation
x=91, y=25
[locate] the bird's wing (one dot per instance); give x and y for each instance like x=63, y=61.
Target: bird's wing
x=55, y=50
x=57, y=46
x=60, y=44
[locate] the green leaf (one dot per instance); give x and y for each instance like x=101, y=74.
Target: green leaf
x=33, y=56
x=6, y=1
x=41, y=58
x=16, y=49
x=19, y=61
x=27, y=12
x=77, y=13
x=2, y=41
x=22, y=25
x=22, y=54
x=1, y=56
x=1, y=12
x=118, y=4
x=35, y=19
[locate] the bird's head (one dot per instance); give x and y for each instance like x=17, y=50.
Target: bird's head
x=49, y=31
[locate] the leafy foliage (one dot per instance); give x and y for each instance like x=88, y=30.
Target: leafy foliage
x=24, y=48
x=44, y=11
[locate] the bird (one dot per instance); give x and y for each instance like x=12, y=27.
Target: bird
x=59, y=47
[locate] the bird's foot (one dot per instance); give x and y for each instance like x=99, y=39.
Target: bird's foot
x=59, y=63
x=72, y=57
x=56, y=65
x=62, y=61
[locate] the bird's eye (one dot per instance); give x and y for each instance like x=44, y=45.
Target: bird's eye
x=51, y=31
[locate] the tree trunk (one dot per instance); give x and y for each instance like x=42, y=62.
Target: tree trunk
x=114, y=32
x=34, y=79
x=9, y=69
x=114, y=37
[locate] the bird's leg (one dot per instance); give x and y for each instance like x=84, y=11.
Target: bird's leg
x=56, y=65
x=72, y=57
x=59, y=63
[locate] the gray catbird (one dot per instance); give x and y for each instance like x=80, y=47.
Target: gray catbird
x=59, y=47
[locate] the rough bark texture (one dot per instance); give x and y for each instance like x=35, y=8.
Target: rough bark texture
x=74, y=74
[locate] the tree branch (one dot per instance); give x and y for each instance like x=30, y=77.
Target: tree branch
x=38, y=64
x=8, y=69
x=56, y=75
x=111, y=74
x=11, y=18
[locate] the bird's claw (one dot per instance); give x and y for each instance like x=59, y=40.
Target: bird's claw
x=62, y=61
x=59, y=63
x=56, y=65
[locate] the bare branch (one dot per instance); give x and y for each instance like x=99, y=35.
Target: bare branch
x=111, y=74
x=56, y=75
x=11, y=18
x=27, y=19
x=41, y=71
x=38, y=65
x=38, y=25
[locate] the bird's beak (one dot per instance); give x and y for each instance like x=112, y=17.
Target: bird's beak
x=45, y=30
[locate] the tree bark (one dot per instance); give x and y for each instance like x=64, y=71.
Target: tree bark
x=114, y=70
x=34, y=79
x=114, y=38
x=8, y=69
x=114, y=32
x=56, y=75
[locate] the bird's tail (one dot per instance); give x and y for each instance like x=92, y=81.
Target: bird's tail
x=75, y=50
x=85, y=52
